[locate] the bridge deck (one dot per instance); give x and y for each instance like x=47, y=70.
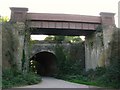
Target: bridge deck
x=62, y=24
x=56, y=24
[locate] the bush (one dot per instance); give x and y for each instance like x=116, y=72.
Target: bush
x=61, y=59
x=13, y=78
x=69, y=62
x=112, y=75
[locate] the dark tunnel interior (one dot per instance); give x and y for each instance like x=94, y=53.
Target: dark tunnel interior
x=44, y=63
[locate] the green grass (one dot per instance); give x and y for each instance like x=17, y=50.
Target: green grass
x=83, y=82
x=80, y=79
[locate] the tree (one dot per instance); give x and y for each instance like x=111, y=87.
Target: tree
x=73, y=39
x=59, y=38
x=49, y=38
x=4, y=19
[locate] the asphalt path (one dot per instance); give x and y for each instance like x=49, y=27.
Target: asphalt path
x=49, y=82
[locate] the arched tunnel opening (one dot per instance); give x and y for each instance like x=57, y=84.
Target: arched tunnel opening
x=44, y=63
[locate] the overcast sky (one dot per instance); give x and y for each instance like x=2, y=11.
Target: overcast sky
x=82, y=7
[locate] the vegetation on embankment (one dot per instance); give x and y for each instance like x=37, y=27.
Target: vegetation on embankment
x=13, y=74
x=12, y=78
x=108, y=76
x=98, y=77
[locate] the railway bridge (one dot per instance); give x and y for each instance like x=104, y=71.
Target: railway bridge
x=97, y=30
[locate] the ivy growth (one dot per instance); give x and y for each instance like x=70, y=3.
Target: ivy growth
x=23, y=59
x=99, y=28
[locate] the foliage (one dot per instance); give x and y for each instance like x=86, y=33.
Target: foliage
x=9, y=49
x=94, y=74
x=23, y=60
x=99, y=28
x=112, y=75
x=108, y=76
x=61, y=58
x=101, y=76
x=78, y=79
x=73, y=39
x=13, y=78
x=33, y=41
x=49, y=38
x=4, y=19
x=69, y=62
x=90, y=77
x=59, y=39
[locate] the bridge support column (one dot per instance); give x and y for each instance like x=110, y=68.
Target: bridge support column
x=20, y=37
x=108, y=24
x=26, y=50
x=97, y=45
x=18, y=17
x=94, y=56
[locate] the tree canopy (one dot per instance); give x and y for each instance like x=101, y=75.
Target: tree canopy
x=70, y=39
x=4, y=19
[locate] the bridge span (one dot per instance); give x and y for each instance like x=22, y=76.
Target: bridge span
x=97, y=39
x=60, y=24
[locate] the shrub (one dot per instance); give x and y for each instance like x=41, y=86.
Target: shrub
x=13, y=78
x=69, y=62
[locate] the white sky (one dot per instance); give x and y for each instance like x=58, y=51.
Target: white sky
x=82, y=7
